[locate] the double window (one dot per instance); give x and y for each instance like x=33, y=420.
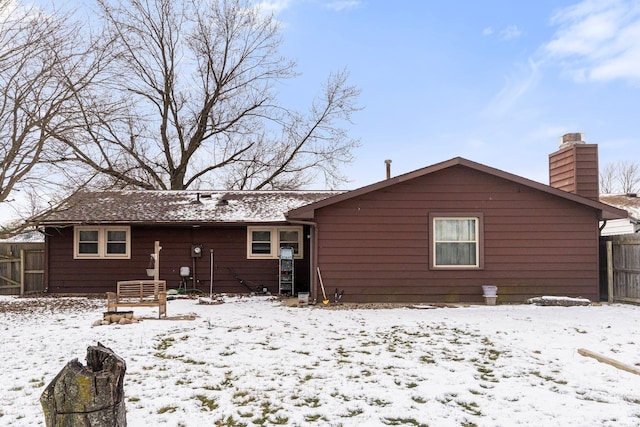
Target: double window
x=102, y=242
x=265, y=242
x=456, y=241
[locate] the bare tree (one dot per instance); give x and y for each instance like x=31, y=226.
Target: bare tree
x=190, y=99
x=41, y=68
x=620, y=177
x=608, y=179
x=628, y=176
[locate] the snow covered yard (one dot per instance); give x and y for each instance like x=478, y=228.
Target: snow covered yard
x=253, y=361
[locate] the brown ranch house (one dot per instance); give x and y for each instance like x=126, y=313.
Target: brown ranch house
x=433, y=235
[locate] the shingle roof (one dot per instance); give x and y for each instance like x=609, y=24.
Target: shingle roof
x=188, y=207
x=630, y=203
x=307, y=212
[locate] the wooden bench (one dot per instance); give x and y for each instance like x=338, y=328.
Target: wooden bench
x=139, y=293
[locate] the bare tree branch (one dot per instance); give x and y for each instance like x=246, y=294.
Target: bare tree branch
x=620, y=177
x=188, y=98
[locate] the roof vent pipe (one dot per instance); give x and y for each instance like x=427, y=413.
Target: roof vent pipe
x=388, y=163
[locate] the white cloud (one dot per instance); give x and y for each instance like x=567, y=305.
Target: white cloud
x=487, y=31
x=598, y=40
x=339, y=5
x=274, y=6
x=514, y=89
x=510, y=32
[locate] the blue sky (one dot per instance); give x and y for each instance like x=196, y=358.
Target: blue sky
x=493, y=81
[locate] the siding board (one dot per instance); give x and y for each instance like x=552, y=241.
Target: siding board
x=376, y=247
x=67, y=275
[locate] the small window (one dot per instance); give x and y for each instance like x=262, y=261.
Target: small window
x=116, y=242
x=88, y=242
x=261, y=242
x=456, y=241
x=290, y=238
x=265, y=242
x=102, y=242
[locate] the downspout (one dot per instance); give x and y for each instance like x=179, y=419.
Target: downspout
x=604, y=224
x=314, y=255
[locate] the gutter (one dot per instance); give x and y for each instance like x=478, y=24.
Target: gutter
x=313, y=287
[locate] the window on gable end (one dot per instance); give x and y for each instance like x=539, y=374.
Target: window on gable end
x=456, y=241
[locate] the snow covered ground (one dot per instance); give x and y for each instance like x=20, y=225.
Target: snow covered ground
x=254, y=361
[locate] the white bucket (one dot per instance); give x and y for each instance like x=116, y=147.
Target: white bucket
x=303, y=299
x=489, y=291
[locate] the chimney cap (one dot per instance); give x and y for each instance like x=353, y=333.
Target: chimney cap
x=569, y=139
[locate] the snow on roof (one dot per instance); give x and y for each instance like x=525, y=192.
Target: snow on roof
x=26, y=237
x=628, y=202
x=143, y=206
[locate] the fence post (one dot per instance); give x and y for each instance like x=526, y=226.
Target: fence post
x=610, y=271
x=22, y=260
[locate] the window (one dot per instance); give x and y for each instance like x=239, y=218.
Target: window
x=265, y=242
x=102, y=242
x=456, y=241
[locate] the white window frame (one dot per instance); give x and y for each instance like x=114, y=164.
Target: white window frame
x=274, y=253
x=102, y=242
x=477, y=240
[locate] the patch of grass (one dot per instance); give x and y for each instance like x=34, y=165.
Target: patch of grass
x=280, y=420
x=312, y=417
x=167, y=409
x=378, y=402
x=306, y=378
x=133, y=399
x=418, y=399
x=183, y=382
x=267, y=410
x=427, y=358
x=37, y=383
x=470, y=407
x=312, y=402
x=412, y=385
x=194, y=362
x=402, y=422
x=353, y=412
x=229, y=422
x=548, y=378
x=342, y=352
x=164, y=344
x=207, y=403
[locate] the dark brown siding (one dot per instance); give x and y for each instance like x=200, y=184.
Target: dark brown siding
x=375, y=247
x=67, y=275
x=575, y=169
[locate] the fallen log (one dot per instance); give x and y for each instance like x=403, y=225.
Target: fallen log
x=91, y=396
x=609, y=361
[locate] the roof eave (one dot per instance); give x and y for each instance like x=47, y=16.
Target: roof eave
x=605, y=211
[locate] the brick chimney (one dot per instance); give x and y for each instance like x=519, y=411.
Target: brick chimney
x=574, y=167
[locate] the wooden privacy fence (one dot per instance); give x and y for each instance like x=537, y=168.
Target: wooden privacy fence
x=621, y=257
x=21, y=268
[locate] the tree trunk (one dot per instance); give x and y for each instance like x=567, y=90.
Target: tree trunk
x=91, y=396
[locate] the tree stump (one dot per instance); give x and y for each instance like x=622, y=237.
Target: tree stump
x=91, y=396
